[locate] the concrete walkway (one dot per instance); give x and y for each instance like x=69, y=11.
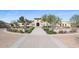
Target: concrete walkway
x=38, y=39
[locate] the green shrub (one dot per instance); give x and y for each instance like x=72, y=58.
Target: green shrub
x=30, y=29
x=45, y=27
x=27, y=30
x=73, y=30
x=21, y=31
x=51, y=32
x=62, y=32
x=48, y=31
x=3, y=24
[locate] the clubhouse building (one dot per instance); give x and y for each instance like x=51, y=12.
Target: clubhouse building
x=37, y=22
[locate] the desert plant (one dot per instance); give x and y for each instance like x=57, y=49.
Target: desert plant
x=74, y=21
x=62, y=32
x=3, y=24
x=30, y=29
x=73, y=30
x=48, y=31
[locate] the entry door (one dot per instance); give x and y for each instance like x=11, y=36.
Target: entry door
x=37, y=24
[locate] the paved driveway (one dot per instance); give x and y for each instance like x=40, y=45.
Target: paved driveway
x=38, y=39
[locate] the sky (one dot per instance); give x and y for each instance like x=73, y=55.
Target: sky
x=13, y=15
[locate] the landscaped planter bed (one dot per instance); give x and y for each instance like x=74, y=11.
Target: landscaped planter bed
x=48, y=31
x=21, y=30
x=29, y=30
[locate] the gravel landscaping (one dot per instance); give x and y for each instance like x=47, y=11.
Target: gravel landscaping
x=7, y=39
x=71, y=40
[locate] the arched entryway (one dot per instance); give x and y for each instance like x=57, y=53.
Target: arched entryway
x=37, y=24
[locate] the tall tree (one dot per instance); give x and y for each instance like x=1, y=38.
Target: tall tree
x=14, y=24
x=3, y=24
x=44, y=18
x=75, y=21
x=53, y=20
x=59, y=20
x=21, y=20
